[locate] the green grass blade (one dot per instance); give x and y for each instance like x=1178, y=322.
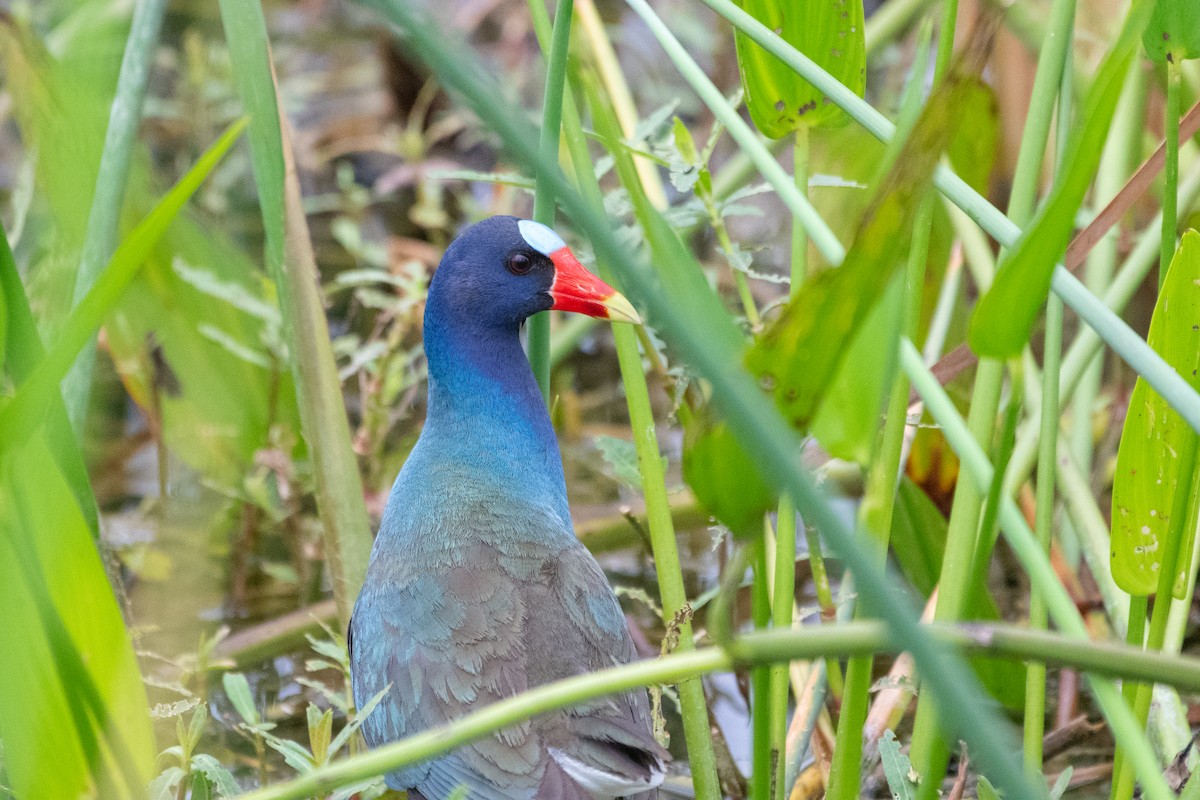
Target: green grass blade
x=543, y=199
x=693, y=701
x=750, y=414
x=291, y=264
x=22, y=415
x=22, y=350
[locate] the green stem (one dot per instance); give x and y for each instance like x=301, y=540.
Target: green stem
x=543, y=199
x=928, y=755
x=875, y=520
x=784, y=594
x=1167, y=574
x=1171, y=170
x=1031, y=154
x=988, y=527
x=1135, y=636
x=761, y=772
x=1035, y=680
x=782, y=603
x=816, y=562
x=740, y=281
x=945, y=48
x=104, y=217
x=851, y=639
x=693, y=702
x=800, y=154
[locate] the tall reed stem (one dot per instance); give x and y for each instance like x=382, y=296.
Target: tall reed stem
x=694, y=704
x=1171, y=169
x=1035, y=678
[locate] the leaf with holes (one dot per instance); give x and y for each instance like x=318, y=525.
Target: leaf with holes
x=897, y=768
x=1173, y=33
x=830, y=32
x=1147, y=473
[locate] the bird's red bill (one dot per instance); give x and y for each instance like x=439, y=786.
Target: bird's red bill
x=576, y=289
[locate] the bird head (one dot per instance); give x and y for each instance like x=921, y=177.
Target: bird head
x=504, y=269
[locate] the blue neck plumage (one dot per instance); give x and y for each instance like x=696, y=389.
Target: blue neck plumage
x=487, y=438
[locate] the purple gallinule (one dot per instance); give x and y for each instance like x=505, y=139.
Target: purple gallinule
x=477, y=587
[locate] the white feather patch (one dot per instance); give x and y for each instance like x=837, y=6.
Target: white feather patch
x=540, y=238
x=605, y=785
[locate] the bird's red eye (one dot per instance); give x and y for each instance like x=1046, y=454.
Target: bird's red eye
x=519, y=264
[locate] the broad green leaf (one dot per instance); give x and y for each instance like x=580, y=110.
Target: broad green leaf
x=216, y=773
x=1173, y=33
x=73, y=713
x=830, y=32
x=23, y=414
x=797, y=357
x=847, y=423
x=723, y=477
x=897, y=769
x=1147, y=472
x=320, y=731
x=1004, y=317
